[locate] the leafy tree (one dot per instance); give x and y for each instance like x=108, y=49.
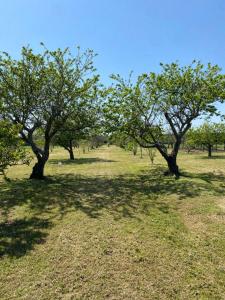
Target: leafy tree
x=124, y=141
x=68, y=139
x=190, y=140
x=208, y=134
x=158, y=103
x=97, y=139
x=79, y=127
x=12, y=150
x=41, y=91
x=151, y=154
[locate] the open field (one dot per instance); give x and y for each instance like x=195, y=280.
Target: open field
x=110, y=226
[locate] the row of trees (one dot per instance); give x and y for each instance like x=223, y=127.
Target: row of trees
x=206, y=136
x=57, y=95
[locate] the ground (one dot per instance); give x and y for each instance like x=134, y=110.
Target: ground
x=110, y=226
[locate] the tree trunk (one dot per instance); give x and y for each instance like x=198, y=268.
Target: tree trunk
x=69, y=148
x=134, y=150
x=71, y=153
x=209, y=150
x=172, y=165
x=38, y=169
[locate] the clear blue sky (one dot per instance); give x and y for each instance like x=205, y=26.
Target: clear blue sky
x=127, y=34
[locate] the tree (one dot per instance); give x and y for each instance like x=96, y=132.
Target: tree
x=97, y=139
x=79, y=126
x=41, y=91
x=125, y=142
x=12, y=150
x=208, y=134
x=160, y=103
x=68, y=139
x=151, y=154
x=190, y=140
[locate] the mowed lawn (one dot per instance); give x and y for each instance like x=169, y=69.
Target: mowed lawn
x=110, y=226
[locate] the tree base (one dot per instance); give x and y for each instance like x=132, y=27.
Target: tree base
x=38, y=171
x=37, y=177
x=169, y=173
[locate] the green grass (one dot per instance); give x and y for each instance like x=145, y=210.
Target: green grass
x=110, y=226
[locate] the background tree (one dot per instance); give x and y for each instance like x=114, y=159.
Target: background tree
x=208, y=134
x=151, y=154
x=79, y=126
x=158, y=103
x=124, y=141
x=12, y=150
x=68, y=139
x=41, y=91
x=190, y=140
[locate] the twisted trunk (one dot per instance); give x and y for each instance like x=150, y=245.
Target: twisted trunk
x=173, y=168
x=42, y=157
x=171, y=159
x=38, y=169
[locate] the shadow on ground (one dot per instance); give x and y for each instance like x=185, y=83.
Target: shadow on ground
x=123, y=197
x=19, y=236
x=214, y=156
x=79, y=161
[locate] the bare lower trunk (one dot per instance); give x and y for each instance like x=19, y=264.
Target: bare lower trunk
x=134, y=150
x=69, y=148
x=71, y=153
x=38, y=169
x=172, y=166
x=209, y=150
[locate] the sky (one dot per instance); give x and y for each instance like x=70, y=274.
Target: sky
x=127, y=35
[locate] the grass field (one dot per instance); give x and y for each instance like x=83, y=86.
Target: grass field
x=110, y=226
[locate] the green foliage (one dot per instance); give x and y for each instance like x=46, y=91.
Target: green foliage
x=157, y=103
x=124, y=141
x=41, y=91
x=80, y=126
x=208, y=134
x=151, y=154
x=12, y=150
x=173, y=98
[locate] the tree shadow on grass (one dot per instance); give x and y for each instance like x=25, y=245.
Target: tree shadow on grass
x=214, y=156
x=93, y=194
x=19, y=236
x=125, y=196
x=209, y=178
x=79, y=161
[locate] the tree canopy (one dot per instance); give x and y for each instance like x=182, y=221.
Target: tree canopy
x=56, y=95
x=41, y=91
x=168, y=101
x=12, y=149
x=208, y=134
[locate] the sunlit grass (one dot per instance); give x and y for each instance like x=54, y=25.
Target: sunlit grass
x=110, y=225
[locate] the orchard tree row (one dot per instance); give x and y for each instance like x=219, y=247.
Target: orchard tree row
x=56, y=96
x=208, y=136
